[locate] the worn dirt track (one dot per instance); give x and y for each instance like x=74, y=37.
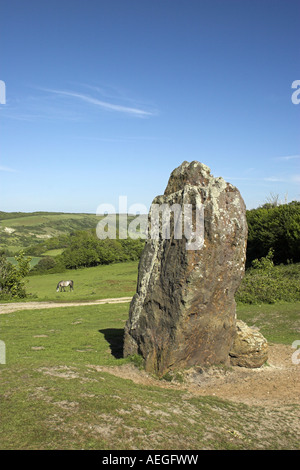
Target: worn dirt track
x=16, y=306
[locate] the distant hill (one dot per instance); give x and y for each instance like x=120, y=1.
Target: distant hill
x=22, y=229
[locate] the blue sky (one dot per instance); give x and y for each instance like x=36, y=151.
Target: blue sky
x=104, y=98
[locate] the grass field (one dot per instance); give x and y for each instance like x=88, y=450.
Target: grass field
x=57, y=391
x=55, y=252
x=59, y=388
x=37, y=219
x=105, y=281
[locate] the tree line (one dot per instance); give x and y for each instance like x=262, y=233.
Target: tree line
x=270, y=227
x=84, y=249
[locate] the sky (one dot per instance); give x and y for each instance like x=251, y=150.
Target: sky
x=104, y=98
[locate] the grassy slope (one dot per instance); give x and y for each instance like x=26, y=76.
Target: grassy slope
x=30, y=228
x=279, y=323
x=56, y=396
x=114, y=280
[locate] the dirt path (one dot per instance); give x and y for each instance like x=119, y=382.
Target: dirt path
x=14, y=307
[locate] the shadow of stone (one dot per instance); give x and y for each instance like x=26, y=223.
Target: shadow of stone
x=115, y=339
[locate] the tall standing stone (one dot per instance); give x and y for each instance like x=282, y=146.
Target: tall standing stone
x=183, y=312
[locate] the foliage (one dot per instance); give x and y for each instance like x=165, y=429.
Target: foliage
x=276, y=227
x=266, y=283
x=12, y=283
x=52, y=243
x=46, y=263
x=264, y=264
x=137, y=360
x=86, y=250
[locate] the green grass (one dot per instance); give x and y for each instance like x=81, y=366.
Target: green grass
x=279, y=323
x=26, y=220
x=31, y=219
x=105, y=281
x=57, y=392
x=55, y=252
x=70, y=335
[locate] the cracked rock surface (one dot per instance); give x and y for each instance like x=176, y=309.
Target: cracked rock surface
x=184, y=313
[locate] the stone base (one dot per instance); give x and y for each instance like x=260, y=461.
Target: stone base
x=250, y=348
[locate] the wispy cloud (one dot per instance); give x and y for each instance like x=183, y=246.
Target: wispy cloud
x=6, y=168
x=38, y=108
x=102, y=104
x=275, y=179
x=270, y=179
x=288, y=157
x=118, y=139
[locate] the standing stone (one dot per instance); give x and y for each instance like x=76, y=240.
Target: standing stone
x=183, y=313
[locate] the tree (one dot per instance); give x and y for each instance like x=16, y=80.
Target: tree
x=44, y=264
x=276, y=227
x=85, y=249
x=12, y=276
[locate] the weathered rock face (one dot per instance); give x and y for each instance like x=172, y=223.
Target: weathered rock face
x=183, y=312
x=250, y=348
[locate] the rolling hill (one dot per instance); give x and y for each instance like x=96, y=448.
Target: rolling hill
x=21, y=229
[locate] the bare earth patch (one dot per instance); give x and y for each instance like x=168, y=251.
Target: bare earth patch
x=63, y=372
x=277, y=383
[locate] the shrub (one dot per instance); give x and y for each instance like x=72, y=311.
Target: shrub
x=44, y=264
x=266, y=283
x=11, y=276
